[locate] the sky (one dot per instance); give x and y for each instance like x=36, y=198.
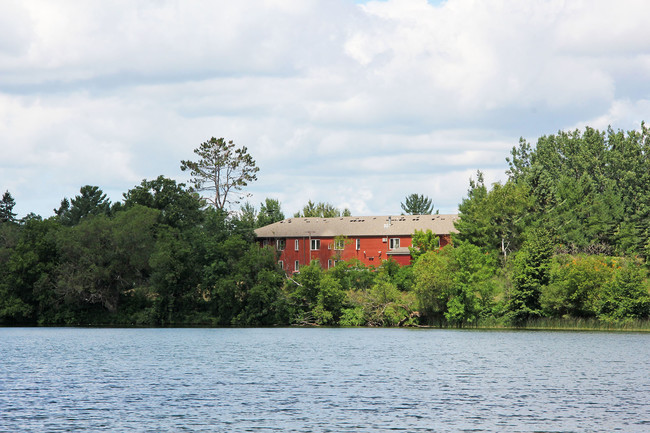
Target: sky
x=355, y=103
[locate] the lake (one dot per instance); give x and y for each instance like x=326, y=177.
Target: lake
x=322, y=380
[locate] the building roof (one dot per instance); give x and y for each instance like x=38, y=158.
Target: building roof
x=399, y=225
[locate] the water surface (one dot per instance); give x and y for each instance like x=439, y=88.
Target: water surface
x=319, y=380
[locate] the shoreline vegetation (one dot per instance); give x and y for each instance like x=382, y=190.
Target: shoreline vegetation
x=568, y=325
x=563, y=244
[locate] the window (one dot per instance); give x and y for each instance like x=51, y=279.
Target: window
x=339, y=244
x=280, y=244
x=297, y=243
x=315, y=244
x=281, y=263
x=329, y=263
x=358, y=244
x=394, y=243
x=296, y=266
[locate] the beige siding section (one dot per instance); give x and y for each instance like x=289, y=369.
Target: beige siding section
x=359, y=226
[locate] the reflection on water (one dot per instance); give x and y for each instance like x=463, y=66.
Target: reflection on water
x=68, y=379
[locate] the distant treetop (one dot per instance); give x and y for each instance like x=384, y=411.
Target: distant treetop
x=417, y=204
x=222, y=169
x=321, y=209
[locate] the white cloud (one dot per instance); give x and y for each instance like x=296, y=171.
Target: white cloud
x=357, y=105
x=623, y=114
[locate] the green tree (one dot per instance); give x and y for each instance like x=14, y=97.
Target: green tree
x=244, y=284
x=531, y=273
x=175, y=277
x=455, y=285
x=417, y=204
x=222, y=170
x=495, y=220
x=474, y=223
x=29, y=273
x=592, y=187
x=329, y=304
x=422, y=242
x=386, y=305
x=259, y=283
x=178, y=206
x=305, y=295
x=13, y=306
x=91, y=201
x=322, y=210
x=353, y=274
x=6, y=208
x=433, y=281
x=246, y=218
x=270, y=212
x=102, y=258
x=625, y=296
x=576, y=284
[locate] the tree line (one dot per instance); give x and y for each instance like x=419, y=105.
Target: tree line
x=160, y=257
x=566, y=237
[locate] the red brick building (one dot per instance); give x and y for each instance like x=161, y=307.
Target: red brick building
x=371, y=239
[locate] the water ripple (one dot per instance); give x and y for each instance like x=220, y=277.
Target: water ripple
x=319, y=380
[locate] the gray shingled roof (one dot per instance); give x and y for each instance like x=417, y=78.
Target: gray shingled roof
x=358, y=226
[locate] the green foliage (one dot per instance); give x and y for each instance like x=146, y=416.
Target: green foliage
x=353, y=275
x=174, y=277
x=591, y=187
x=258, y=289
x=330, y=301
x=12, y=309
x=433, y=281
x=422, y=242
x=417, y=204
x=531, y=273
x=322, y=210
x=270, y=212
x=222, y=169
x=178, y=207
x=576, y=285
x=9, y=235
x=625, y=297
x=309, y=281
x=28, y=273
x=245, y=221
x=494, y=220
x=351, y=295
x=455, y=285
x=100, y=258
x=162, y=258
x=91, y=201
x=404, y=278
x=7, y=204
x=383, y=304
x=353, y=316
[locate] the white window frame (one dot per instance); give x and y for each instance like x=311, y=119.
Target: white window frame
x=358, y=244
x=393, y=243
x=339, y=244
x=296, y=266
x=281, y=263
x=315, y=242
x=280, y=244
x=297, y=245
